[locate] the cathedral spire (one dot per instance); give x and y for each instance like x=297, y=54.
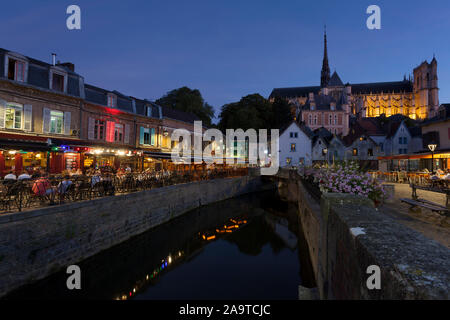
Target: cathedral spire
x=325, y=74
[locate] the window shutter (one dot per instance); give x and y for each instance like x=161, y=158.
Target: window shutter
x=67, y=123
x=91, y=126
x=28, y=117
x=46, y=121
x=126, y=135
x=153, y=136
x=2, y=113
x=141, y=135
x=110, y=131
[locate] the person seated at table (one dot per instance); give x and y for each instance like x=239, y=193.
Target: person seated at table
x=24, y=176
x=10, y=176
x=96, y=178
x=42, y=187
x=439, y=172
x=64, y=185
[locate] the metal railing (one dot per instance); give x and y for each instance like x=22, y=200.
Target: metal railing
x=16, y=196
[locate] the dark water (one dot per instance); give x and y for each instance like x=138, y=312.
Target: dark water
x=258, y=253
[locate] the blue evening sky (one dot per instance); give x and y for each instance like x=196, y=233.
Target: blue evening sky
x=230, y=48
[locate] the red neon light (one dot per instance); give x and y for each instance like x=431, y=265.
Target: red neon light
x=113, y=111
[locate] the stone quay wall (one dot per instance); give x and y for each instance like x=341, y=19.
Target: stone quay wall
x=37, y=243
x=412, y=266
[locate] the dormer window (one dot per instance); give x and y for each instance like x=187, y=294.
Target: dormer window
x=58, y=82
x=112, y=101
x=58, y=79
x=148, y=111
x=16, y=68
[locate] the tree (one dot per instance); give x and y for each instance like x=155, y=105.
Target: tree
x=188, y=100
x=282, y=114
x=252, y=111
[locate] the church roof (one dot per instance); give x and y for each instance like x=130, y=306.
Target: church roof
x=379, y=87
x=322, y=102
x=293, y=92
x=335, y=81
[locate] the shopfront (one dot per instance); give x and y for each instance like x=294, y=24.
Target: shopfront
x=22, y=152
x=417, y=162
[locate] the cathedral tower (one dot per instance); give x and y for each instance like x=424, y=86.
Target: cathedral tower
x=325, y=74
x=426, y=91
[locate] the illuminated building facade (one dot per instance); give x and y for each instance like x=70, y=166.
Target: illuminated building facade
x=51, y=119
x=417, y=98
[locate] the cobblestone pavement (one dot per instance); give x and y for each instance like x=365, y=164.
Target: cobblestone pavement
x=430, y=224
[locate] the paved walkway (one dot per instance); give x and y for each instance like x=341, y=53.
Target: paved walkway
x=431, y=224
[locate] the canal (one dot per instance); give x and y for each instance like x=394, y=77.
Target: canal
x=249, y=247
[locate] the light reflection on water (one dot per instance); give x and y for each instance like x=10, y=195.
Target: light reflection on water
x=243, y=248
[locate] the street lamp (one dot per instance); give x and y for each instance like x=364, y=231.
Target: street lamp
x=432, y=148
x=325, y=152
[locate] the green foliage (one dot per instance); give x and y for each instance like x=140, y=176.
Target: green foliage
x=254, y=111
x=188, y=100
x=282, y=115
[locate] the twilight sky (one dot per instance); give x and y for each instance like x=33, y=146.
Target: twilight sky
x=230, y=48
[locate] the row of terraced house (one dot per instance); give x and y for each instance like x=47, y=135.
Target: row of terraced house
x=50, y=118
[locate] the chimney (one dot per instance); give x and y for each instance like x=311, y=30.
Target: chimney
x=53, y=59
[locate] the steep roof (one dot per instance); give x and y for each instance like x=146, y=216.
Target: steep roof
x=335, y=81
x=294, y=92
x=322, y=102
x=324, y=134
x=379, y=87
x=175, y=114
x=307, y=131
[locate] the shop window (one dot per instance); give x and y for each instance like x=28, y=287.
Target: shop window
x=56, y=121
x=16, y=70
x=13, y=116
x=99, y=130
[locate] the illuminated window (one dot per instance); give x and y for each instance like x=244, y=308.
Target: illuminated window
x=56, y=121
x=13, y=116
x=355, y=151
x=292, y=147
x=288, y=161
x=301, y=161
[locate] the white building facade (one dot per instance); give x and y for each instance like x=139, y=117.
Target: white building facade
x=295, y=147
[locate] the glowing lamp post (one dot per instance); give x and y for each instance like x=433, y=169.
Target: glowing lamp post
x=325, y=152
x=432, y=148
